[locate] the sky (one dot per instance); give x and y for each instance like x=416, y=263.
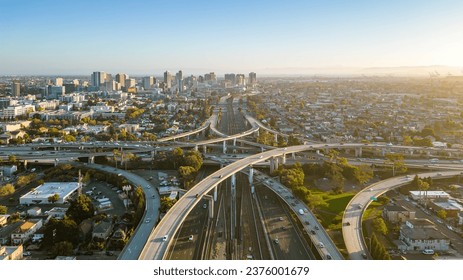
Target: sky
x=149, y=37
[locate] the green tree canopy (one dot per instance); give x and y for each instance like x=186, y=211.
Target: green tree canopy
x=7, y=189
x=80, y=209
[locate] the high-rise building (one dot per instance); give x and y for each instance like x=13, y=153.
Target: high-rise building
x=98, y=78
x=179, y=77
x=120, y=78
x=230, y=78
x=130, y=83
x=148, y=82
x=240, y=79
x=168, y=79
x=252, y=78
x=210, y=77
x=16, y=88
x=58, y=82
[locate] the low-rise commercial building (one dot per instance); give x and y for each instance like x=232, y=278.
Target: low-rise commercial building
x=397, y=213
x=26, y=231
x=41, y=194
x=11, y=253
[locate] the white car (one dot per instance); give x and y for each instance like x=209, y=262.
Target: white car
x=321, y=245
x=190, y=238
x=164, y=238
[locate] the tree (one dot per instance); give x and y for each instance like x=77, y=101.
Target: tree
x=80, y=209
x=63, y=248
x=397, y=162
x=380, y=226
x=3, y=210
x=12, y=159
x=69, y=138
x=442, y=214
x=187, y=173
x=177, y=154
x=166, y=204
x=293, y=141
x=7, y=189
x=53, y=198
x=60, y=230
x=363, y=173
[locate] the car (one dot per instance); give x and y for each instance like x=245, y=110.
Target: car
x=364, y=256
x=370, y=189
x=316, y=227
x=449, y=227
x=109, y=253
x=25, y=254
x=360, y=206
x=153, y=196
x=148, y=220
x=190, y=238
x=283, y=228
x=164, y=238
x=276, y=241
x=439, y=221
x=197, y=195
x=261, y=156
x=307, y=222
x=280, y=218
x=347, y=223
x=428, y=251
x=312, y=231
x=321, y=245
x=328, y=257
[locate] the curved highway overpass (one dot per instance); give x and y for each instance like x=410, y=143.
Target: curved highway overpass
x=156, y=247
x=352, y=234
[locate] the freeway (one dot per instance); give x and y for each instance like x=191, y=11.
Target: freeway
x=156, y=247
x=352, y=218
x=308, y=219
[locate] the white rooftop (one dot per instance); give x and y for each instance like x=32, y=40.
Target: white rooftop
x=63, y=189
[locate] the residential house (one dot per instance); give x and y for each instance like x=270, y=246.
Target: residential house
x=26, y=231
x=421, y=234
x=102, y=230
x=397, y=214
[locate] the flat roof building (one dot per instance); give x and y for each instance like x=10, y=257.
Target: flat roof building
x=41, y=194
x=419, y=195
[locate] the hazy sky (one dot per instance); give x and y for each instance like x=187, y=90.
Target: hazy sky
x=134, y=36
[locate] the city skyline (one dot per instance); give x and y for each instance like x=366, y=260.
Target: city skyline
x=70, y=38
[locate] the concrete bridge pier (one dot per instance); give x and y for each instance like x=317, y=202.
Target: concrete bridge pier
x=358, y=152
x=204, y=149
x=251, y=175
x=25, y=164
x=196, y=148
x=215, y=193
x=283, y=159
x=276, y=138
x=91, y=160
x=224, y=147
x=56, y=162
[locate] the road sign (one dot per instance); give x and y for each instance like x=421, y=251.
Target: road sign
x=373, y=198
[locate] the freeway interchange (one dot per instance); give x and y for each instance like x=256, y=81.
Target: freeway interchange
x=152, y=241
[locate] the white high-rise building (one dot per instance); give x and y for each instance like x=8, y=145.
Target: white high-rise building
x=148, y=82
x=98, y=78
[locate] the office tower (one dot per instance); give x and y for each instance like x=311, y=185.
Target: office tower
x=120, y=78
x=16, y=88
x=148, y=82
x=200, y=79
x=210, y=77
x=240, y=79
x=58, y=82
x=179, y=77
x=230, y=78
x=168, y=79
x=130, y=83
x=98, y=78
x=252, y=78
